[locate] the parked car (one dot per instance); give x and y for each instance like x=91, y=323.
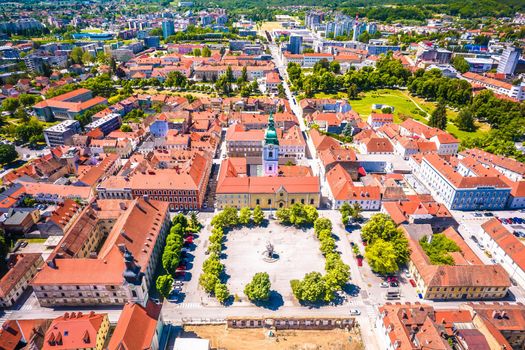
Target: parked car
x=384, y=285
x=23, y=244
x=412, y=282
x=489, y=214
x=391, y=279
x=407, y=274
x=394, y=284
x=355, y=312
x=155, y=300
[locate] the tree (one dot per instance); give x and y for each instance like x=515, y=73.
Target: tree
x=381, y=257
x=310, y=289
x=381, y=227
x=10, y=104
x=245, y=216
x=322, y=224
x=213, y=265
x=181, y=220
x=206, y=52
x=335, y=67
x=208, y=282
x=281, y=91
x=460, y=64
x=164, y=284
x=194, y=221
x=351, y=92
x=355, y=213
x=7, y=153
x=258, y=215
x=221, y=292
x=229, y=75
x=244, y=74
x=30, y=132
x=438, y=118
x=87, y=58
x=76, y=54
x=125, y=128
x=170, y=260
x=259, y=288
x=196, y=52
x=465, y=120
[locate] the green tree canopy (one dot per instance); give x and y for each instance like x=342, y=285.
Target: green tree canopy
x=381, y=257
x=164, y=284
x=259, y=288
x=7, y=153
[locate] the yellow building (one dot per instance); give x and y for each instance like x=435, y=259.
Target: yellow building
x=236, y=189
x=468, y=278
x=77, y=331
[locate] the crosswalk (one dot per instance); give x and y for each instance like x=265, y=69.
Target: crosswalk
x=189, y=306
x=520, y=300
x=5, y=316
x=27, y=307
x=370, y=312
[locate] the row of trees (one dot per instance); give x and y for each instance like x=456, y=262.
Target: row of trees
x=315, y=287
x=433, y=85
x=389, y=72
x=297, y=215
x=210, y=279
x=172, y=254
x=387, y=247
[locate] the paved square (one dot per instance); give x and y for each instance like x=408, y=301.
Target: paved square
x=298, y=252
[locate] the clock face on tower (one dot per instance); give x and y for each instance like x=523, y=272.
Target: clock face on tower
x=271, y=147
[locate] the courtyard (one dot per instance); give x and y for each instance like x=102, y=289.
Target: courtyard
x=297, y=250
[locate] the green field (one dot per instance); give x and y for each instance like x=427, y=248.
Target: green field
x=403, y=104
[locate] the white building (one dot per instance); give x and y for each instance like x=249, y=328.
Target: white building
x=505, y=248
x=461, y=192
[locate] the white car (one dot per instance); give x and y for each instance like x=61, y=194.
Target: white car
x=385, y=285
x=355, y=312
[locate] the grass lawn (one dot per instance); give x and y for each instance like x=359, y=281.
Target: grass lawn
x=405, y=104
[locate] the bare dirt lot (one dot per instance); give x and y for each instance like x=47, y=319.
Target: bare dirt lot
x=239, y=339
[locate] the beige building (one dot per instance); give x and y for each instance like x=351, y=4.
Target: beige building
x=23, y=268
x=468, y=278
x=112, y=268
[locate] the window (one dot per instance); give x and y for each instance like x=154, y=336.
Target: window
x=269, y=201
x=257, y=201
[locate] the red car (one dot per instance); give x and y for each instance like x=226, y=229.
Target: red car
x=392, y=279
x=412, y=282
x=189, y=240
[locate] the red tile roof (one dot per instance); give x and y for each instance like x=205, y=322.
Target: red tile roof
x=125, y=336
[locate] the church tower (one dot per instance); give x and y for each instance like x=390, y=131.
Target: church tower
x=270, y=149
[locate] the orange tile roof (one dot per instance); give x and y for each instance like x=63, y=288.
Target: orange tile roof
x=74, y=331
x=456, y=179
x=469, y=271
x=400, y=211
x=343, y=189
x=18, y=265
x=486, y=80
x=507, y=241
x=137, y=227
x=495, y=160
x=64, y=191
x=125, y=335
x=64, y=212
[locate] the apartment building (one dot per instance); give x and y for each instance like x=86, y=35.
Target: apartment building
x=62, y=133
x=516, y=92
